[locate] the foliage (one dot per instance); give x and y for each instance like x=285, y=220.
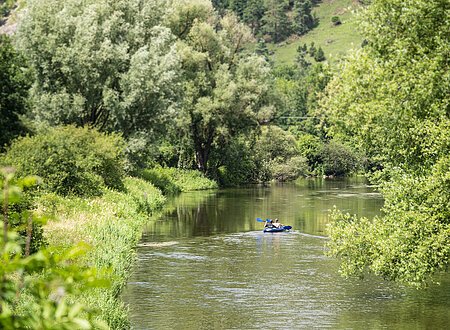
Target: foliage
x=6, y=6
x=409, y=243
x=302, y=20
x=310, y=146
x=14, y=85
x=70, y=160
x=338, y=159
x=105, y=63
x=319, y=56
x=112, y=224
x=275, y=20
x=35, y=289
x=292, y=169
x=225, y=92
x=336, y=20
x=240, y=163
x=392, y=100
x=277, y=150
x=173, y=180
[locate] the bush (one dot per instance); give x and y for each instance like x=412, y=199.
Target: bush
x=291, y=170
x=336, y=20
x=70, y=160
x=310, y=147
x=338, y=160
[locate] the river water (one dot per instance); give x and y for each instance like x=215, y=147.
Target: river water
x=206, y=264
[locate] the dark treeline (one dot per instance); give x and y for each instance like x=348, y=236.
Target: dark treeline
x=273, y=20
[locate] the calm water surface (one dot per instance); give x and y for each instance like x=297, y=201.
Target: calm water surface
x=205, y=264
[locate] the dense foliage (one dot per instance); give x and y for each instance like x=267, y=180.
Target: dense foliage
x=35, y=289
x=14, y=84
x=392, y=100
x=109, y=64
x=79, y=161
x=227, y=92
x=273, y=19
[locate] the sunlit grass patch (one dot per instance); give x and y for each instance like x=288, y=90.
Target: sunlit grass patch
x=335, y=40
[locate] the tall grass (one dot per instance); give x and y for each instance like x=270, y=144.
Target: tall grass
x=174, y=180
x=112, y=225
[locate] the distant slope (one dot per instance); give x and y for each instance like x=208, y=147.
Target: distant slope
x=334, y=40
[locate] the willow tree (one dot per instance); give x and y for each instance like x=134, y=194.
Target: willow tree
x=226, y=92
x=104, y=63
x=392, y=99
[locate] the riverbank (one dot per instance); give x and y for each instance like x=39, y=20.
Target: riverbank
x=112, y=225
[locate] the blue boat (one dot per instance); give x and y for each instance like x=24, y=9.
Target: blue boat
x=277, y=230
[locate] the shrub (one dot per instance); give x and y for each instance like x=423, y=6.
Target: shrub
x=70, y=160
x=310, y=147
x=338, y=160
x=336, y=20
x=291, y=169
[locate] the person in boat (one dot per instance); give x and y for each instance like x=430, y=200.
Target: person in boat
x=277, y=224
x=269, y=223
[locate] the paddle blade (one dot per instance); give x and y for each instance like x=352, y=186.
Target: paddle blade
x=287, y=227
x=260, y=220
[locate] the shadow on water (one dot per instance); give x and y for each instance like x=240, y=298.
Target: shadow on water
x=206, y=264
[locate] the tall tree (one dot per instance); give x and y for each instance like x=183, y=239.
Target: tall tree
x=14, y=85
x=302, y=19
x=392, y=99
x=108, y=64
x=253, y=13
x=275, y=20
x=225, y=93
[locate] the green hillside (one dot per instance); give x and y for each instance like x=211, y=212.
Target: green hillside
x=334, y=40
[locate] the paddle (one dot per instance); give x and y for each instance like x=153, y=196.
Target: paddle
x=260, y=220
x=287, y=227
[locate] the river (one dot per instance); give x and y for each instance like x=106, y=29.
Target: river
x=206, y=264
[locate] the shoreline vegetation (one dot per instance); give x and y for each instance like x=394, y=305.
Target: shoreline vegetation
x=111, y=226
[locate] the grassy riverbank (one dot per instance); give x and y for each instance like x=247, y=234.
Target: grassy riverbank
x=112, y=226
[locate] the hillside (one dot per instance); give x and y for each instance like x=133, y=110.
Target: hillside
x=334, y=40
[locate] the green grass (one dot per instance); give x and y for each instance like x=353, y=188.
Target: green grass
x=112, y=225
x=335, y=41
x=175, y=180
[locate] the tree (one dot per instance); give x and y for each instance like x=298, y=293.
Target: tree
x=225, y=93
x=302, y=20
x=392, y=101
x=319, y=56
x=253, y=13
x=108, y=64
x=14, y=85
x=275, y=20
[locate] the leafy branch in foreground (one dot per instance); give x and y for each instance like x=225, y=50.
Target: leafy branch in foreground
x=36, y=289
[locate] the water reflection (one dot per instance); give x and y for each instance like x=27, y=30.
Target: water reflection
x=207, y=265
x=304, y=205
